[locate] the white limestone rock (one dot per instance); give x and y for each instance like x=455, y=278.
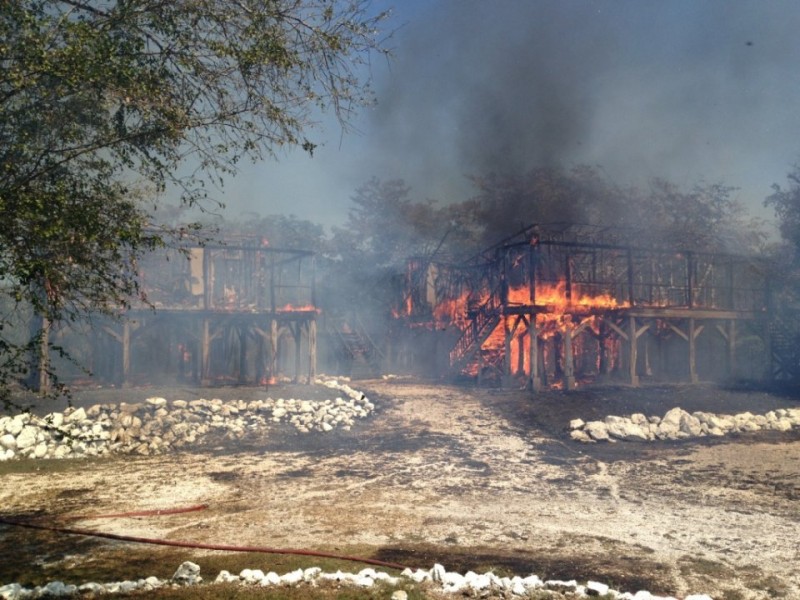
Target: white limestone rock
x=16, y=424
x=75, y=416
x=689, y=425
x=27, y=437
x=91, y=588
x=254, y=576
x=187, y=574
x=438, y=573
x=597, y=430
x=594, y=588
x=292, y=577
x=12, y=591
x=580, y=436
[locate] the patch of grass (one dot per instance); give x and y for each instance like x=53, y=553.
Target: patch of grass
x=774, y=586
x=323, y=591
x=694, y=566
x=731, y=594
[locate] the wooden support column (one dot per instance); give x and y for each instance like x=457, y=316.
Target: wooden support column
x=205, y=344
x=312, y=350
x=569, y=360
x=297, y=331
x=692, y=352
x=533, y=341
x=242, y=353
x=273, y=347
x=509, y=334
x=603, y=366
x=126, y=353
x=632, y=345
x=732, y=367
x=124, y=338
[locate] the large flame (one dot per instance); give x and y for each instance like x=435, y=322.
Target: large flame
x=556, y=312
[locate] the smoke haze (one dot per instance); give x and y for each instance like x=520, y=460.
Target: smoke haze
x=685, y=90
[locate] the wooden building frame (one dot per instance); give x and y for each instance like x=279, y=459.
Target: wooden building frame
x=702, y=300
x=228, y=313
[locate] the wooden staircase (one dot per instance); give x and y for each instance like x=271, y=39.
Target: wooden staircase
x=357, y=347
x=482, y=323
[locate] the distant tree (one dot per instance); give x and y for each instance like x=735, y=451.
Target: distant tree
x=385, y=228
x=705, y=218
x=97, y=95
x=786, y=204
x=505, y=204
x=275, y=231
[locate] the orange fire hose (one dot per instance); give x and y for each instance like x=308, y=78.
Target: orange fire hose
x=183, y=544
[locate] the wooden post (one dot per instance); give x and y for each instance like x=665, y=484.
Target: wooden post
x=242, y=353
x=312, y=350
x=692, y=352
x=632, y=344
x=732, y=367
x=569, y=362
x=273, y=347
x=603, y=363
x=205, y=343
x=507, y=348
x=297, y=331
x=521, y=355
x=533, y=341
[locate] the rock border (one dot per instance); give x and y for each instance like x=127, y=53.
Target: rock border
x=472, y=584
x=156, y=425
x=678, y=424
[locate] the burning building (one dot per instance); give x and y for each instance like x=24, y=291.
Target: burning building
x=242, y=312
x=555, y=305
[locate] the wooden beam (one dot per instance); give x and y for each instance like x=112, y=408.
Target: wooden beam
x=312, y=350
x=569, y=361
x=693, y=378
x=632, y=354
x=618, y=330
x=533, y=360
x=685, y=336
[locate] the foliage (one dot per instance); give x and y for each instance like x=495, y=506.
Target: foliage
x=504, y=205
x=705, y=218
x=786, y=204
x=275, y=231
x=97, y=96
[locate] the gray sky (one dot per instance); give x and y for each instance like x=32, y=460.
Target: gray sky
x=688, y=90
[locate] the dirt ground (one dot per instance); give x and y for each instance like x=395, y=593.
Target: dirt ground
x=469, y=478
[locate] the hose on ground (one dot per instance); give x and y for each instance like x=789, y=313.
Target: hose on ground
x=184, y=544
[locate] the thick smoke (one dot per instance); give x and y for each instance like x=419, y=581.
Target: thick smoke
x=684, y=90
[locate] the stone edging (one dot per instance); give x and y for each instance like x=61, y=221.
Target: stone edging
x=472, y=584
x=156, y=425
x=677, y=424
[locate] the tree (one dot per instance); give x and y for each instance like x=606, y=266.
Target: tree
x=786, y=204
x=96, y=97
x=705, y=218
x=505, y=204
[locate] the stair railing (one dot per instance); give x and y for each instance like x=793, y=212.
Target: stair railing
x=486, y=314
